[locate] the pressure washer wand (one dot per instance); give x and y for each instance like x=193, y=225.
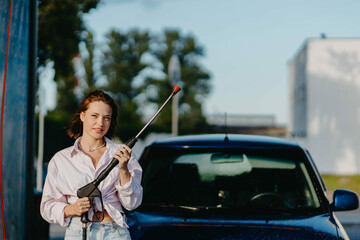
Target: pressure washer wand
x=132, y=142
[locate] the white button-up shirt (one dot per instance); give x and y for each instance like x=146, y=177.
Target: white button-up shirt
x=71, y=169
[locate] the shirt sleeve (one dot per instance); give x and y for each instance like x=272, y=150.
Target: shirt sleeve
x=53, y=202
x=130, y=194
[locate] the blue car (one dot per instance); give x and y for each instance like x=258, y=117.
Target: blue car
x=234, y=187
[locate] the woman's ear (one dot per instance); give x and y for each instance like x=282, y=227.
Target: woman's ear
x=82, y=116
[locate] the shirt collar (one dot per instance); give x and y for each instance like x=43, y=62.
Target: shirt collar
x=76, y=146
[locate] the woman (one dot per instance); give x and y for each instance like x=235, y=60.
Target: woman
x=78, y=165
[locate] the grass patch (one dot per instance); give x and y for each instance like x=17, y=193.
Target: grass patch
x=350, y=182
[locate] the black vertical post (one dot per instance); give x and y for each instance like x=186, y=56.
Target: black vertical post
x=36, y=227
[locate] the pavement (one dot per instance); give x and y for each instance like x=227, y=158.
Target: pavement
x=56, y=232
x=348, y=218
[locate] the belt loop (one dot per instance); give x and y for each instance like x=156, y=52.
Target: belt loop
x=124, y=218
x=113, y=226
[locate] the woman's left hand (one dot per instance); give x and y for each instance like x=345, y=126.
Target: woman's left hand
x=123, y=155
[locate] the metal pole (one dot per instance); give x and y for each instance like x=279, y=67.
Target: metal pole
x=175, y=106
x=174, y=73
x=39, y=162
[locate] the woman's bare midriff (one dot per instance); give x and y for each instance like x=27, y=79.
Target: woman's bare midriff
x=107, y=217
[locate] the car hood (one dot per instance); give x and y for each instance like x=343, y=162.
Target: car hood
x=145, y=225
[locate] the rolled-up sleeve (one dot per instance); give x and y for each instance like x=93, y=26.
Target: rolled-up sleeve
x=130, y=194
x=53, y=202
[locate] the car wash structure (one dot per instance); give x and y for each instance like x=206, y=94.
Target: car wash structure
x=19, y=218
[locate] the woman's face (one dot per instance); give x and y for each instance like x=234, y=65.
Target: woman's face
x=96, y=119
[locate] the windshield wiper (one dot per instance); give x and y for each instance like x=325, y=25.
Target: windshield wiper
x=170, y=206
x=193, y=209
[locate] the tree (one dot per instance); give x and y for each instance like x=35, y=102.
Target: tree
x=88, y=61
x=122, y=63
x=60, y=26
x=195, y=82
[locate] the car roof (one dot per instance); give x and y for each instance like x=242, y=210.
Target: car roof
x=225, y=141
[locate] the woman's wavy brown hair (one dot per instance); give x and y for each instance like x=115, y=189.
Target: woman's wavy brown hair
x=75, y=129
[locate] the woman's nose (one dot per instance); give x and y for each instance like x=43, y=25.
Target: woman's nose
x=100, y=121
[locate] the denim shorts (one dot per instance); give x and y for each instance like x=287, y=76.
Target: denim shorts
x=96, y=231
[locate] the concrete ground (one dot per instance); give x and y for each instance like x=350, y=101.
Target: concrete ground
x=56, y=232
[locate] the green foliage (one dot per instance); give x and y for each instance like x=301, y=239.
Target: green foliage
x=88, y=62
x=60, y=25
x=122, y=63
x=55, y=136
x=66, y=98
x=350, y=182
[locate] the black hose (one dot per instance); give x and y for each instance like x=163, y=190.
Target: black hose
x=84, y=231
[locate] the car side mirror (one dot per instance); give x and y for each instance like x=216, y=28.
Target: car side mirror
x=344, y=200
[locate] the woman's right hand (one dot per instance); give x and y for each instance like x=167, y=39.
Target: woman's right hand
x=82, y=205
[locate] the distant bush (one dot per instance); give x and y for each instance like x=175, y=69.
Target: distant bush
x=350, y=182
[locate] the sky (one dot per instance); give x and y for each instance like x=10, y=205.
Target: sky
x=247, y=44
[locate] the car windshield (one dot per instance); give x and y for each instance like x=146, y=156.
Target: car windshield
x=249, y=180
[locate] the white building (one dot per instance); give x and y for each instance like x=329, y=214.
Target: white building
x=324, y=87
